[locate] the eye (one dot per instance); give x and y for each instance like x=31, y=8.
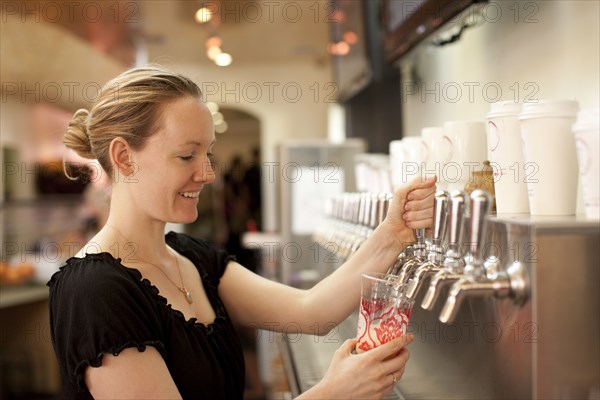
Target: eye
x=187, y=158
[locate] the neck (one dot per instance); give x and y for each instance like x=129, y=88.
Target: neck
x=136, y=233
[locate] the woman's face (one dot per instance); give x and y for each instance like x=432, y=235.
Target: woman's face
x=173, y=166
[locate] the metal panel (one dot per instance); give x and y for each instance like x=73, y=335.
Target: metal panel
x=549, y=348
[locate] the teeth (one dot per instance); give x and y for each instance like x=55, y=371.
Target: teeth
x=191, y=195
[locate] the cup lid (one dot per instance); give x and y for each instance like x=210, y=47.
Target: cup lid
x=587, y=118
x=504, y=109
x=550, y=108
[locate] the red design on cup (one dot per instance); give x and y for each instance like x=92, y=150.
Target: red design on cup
x=379, y=322
x=495, y=134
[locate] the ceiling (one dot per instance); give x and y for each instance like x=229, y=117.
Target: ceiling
x=251, y=31
x=165, y=31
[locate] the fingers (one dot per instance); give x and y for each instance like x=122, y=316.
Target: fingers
x=423, y=184
x=416, y=184
x=348, y=346
x=422, y=199
x=421, y=194
x=391, y=348
x=419, y=208
x=396, y=376
x=396, y=364
x=419, y=183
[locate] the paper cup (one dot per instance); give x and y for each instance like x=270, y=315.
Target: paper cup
x=436, y=153
x=550, y=171
x=406, y=156
x=469, y=150
x=506, y=158
x=384, y=310
x=587, y=144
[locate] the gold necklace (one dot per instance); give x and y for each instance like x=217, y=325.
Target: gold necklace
x=182, y=289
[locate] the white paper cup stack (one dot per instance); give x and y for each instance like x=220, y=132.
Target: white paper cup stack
x=469, y=151
x=587, y=144
x=506, y=158
x=550, y=169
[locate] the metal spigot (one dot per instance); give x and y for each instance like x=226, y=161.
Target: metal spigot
x=513, y=282
x=453, y=263
x=418, y=257
x=412, y=256
x=435, y=256
x=375, y=212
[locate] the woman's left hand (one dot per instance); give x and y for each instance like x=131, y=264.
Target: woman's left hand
x=411, y=208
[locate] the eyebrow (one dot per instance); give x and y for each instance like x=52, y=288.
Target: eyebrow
x=196, y=143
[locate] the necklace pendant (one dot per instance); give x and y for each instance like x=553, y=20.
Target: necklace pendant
x=188, y=295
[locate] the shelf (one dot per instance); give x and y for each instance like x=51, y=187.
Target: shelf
x=11, y=296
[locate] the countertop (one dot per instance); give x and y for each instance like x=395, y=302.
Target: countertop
x=11, y=296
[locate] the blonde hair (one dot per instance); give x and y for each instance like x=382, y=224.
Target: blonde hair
x=128, y=106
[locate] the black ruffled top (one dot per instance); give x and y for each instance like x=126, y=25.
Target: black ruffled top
x=98, y=306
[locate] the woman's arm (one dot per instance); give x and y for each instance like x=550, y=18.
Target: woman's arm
x=132, y=375
x=254, y=301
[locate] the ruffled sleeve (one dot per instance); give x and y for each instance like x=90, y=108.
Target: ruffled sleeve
x=96, y=308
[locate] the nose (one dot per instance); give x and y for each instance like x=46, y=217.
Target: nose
x=204, y=173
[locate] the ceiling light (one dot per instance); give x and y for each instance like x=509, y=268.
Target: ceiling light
x=212, y=107
x=222, y=127
x=338, y=49
x=214, y=41
x=350, y=37
x=223, y=59
x=343, y=48
x=218, y=118
x=213, y=52
x=203, y=15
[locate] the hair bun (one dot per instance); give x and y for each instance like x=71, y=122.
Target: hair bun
x=76, y=137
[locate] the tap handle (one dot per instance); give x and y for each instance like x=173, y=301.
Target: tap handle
x=389, y=198
x=367, y=210
x=374, y=209
x=381, y=207
x=361, y=208
x=420, y=236
x=355, y=208
x=480, y=208
x=440, y=216
x=458, y=200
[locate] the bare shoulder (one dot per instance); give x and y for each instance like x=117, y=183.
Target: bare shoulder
x=100, y=243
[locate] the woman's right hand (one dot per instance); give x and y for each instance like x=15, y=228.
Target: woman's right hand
x=368, y=375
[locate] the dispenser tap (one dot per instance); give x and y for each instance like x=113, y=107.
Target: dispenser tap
x=453, y=263
x=435, y=257
x=513, y=282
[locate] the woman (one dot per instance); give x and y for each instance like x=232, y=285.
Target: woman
x=140, y=315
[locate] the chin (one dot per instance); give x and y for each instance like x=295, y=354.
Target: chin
x=188, y=219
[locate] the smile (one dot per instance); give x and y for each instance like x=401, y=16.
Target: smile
x=190, y=195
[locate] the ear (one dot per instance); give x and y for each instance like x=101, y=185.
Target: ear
x=120, y=156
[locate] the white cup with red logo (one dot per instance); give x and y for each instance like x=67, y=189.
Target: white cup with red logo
x=587, y=144
x=437, y=151
x=506, y=157
x=468, y=141
x=406, y=158
x=551, y=170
